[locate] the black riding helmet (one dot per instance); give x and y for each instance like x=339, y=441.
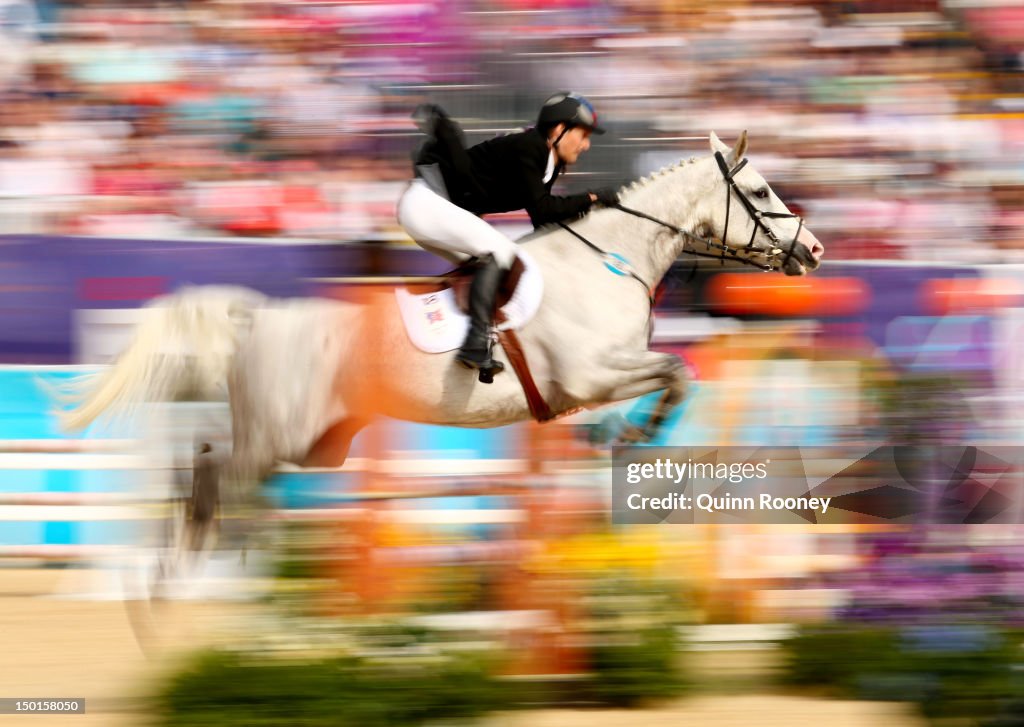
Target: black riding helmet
x=570, y=109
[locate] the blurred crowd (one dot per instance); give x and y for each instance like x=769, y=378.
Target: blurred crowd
x=896, y=126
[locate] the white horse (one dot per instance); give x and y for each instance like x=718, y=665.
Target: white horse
x=304, y=376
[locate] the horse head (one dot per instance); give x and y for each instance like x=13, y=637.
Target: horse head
x=747, y=217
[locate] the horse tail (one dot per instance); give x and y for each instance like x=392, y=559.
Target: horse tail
x=184, y=345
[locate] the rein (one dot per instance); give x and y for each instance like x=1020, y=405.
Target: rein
x=609, y=258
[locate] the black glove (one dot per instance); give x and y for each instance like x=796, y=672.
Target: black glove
x=426, y=117
x=608, y=196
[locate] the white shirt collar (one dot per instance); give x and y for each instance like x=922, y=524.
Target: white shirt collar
x=549, y=172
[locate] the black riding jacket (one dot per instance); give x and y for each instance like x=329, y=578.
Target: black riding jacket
x=500, y=175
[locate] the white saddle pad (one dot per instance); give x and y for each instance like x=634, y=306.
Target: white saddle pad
x=435, y=324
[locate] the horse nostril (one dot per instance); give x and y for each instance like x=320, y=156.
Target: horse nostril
x=810, y=242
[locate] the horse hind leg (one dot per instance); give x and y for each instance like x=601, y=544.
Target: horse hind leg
x=202, y=505
x=332, y=448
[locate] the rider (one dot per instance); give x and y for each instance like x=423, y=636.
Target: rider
x=454, y=186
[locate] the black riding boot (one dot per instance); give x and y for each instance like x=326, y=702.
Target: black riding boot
x=483, y=293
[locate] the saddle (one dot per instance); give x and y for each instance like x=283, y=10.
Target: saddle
x=460, y=279
x=435, y=319
x=434, y=311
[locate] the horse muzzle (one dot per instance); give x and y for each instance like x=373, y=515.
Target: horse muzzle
x=807, y=254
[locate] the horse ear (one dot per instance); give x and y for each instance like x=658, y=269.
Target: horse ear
x=734, y=155
x=717, y=145
x=740, y=150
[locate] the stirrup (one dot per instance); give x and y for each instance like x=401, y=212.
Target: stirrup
x=487, y=367
x=482, y=361
x=488, y=371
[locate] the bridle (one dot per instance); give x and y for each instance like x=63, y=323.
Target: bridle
x=757, y=216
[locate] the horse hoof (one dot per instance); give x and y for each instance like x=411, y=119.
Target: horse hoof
x=633, y=434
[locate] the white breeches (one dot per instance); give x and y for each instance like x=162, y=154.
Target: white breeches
x=448, y=230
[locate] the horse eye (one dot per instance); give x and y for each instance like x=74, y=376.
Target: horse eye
x=762, y=193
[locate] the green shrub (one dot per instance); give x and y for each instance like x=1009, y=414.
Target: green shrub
x=946, y=677
x=402, y=682
x=636, y=667
x=633, y=641
x=835, y=656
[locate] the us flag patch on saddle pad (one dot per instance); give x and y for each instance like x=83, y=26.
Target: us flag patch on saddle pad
x=433, y=320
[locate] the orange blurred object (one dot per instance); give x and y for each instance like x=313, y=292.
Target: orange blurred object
x=156, y=94
x=945, y=296
x=745, y=294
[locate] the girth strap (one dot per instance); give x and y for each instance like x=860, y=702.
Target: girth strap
x=539, y=408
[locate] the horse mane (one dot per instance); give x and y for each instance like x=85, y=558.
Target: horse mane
x=643, y=182
x=634, y=186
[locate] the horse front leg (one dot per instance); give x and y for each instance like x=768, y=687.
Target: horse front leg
x=638, y=374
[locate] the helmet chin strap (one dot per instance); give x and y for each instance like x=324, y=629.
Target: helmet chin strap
x=554, y=146
x=565, y=130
